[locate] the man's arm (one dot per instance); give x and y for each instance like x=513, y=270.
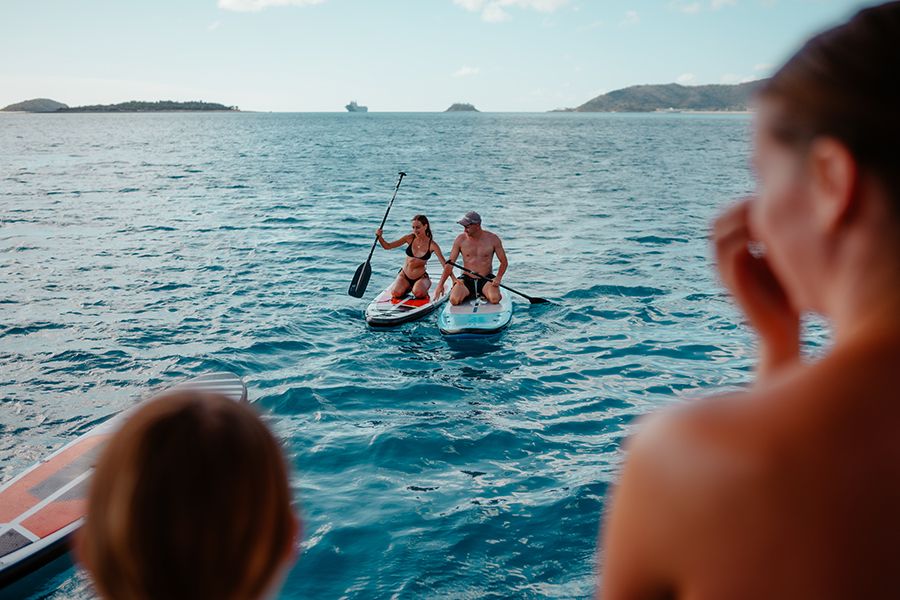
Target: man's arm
x=501, y=256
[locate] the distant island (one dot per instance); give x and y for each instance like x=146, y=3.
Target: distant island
x=649, y=98
x=461, y=107
x=45, y=105
x=37, y=105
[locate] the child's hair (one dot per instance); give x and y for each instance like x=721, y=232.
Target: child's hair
x=189, y=500
x=424, y=221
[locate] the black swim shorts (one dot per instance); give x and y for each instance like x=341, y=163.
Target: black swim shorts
x=474, y=285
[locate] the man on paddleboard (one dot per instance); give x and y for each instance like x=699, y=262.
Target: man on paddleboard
x=478, y=248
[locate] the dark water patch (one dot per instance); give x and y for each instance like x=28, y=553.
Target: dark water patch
x=83, y=361
x=169, y=287
x=671, y=389
x=700, y=297
x=29, y=328
x=676, y=351
x=630, y=291
x=657, y=240
x=416, y=488
x=473, y=473
x=284, y=220
x=583, y=426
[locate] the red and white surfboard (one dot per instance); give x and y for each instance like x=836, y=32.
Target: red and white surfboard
x=386, y=311
x=43, y=505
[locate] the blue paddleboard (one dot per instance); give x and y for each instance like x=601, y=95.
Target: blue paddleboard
x=476, y=317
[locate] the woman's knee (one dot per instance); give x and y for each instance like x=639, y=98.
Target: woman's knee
x=399, y=290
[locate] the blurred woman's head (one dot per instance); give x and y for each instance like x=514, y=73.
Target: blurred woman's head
x=828, y=147
x=189, y=499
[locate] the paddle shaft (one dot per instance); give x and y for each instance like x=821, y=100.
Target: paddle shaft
x=505, y=287
x=384, y=220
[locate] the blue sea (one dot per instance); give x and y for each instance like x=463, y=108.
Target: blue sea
x=138, y=250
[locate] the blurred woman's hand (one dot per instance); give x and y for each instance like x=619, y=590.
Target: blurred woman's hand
x=759, y=294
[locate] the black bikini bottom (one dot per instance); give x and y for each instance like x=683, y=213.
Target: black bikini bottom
x=412, y=282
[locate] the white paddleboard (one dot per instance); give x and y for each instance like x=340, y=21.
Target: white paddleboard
x=41, y=507
x=476, y=316
x=386, y=311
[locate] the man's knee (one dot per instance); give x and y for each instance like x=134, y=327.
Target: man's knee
x=458, y=294
x=492, y=295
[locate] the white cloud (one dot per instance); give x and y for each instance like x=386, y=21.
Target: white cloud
x=258, y=5
x=494, y=11
x=466, y=71
x=214, y=25
x=686, y=79
x=692, y=7
x=631, y=18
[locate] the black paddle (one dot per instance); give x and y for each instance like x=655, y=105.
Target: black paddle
x=364, y=271
x=505, y=287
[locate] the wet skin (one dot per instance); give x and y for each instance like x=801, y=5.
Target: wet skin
x=478, y=248
x=414, y=268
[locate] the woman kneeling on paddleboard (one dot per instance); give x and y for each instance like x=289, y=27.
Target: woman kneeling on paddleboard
x=420, y=245
x=791, y=487
x=189, y=499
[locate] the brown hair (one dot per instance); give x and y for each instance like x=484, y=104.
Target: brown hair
x=189, y=500
x=843, y=83
x=424, y=221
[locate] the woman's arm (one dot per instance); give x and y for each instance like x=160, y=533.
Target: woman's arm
x=437, y=251
x=391, y=245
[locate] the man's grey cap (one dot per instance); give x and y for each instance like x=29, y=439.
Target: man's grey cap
x=471, y=217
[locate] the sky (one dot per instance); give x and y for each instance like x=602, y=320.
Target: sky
x=392, y=55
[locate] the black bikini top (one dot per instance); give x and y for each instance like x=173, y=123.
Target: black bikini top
x=409, y=252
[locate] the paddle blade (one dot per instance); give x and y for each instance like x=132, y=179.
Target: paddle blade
x=538, y=300
x=360, y=280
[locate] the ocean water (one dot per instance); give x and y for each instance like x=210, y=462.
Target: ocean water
x=137, y=250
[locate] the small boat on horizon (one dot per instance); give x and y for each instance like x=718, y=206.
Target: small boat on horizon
x=354, y=107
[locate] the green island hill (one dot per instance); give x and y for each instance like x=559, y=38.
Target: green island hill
x=44, y=105
x=673, y=96
x=461, y=107
x=35, y=105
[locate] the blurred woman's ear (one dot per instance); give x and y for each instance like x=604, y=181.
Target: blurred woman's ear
x=834, y=183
